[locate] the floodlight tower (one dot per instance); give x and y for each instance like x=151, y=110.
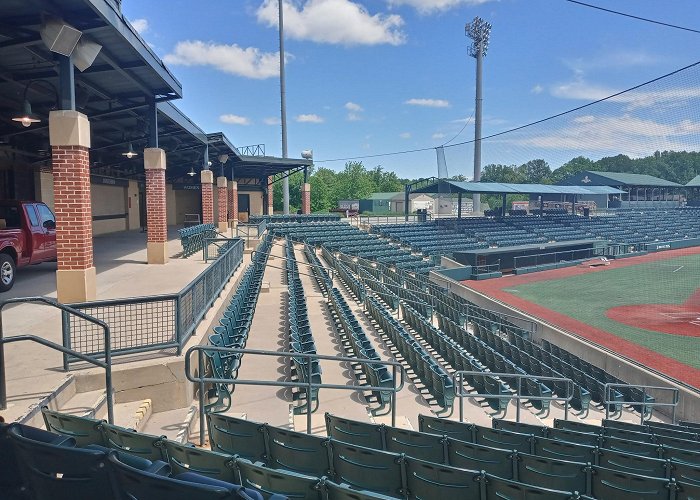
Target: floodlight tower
x=283, y=107
x=478, y=30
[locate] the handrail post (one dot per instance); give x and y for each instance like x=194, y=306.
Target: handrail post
x=308, y=394
x=461, y=397
x=517, y=401
x=643, y=407
x=393, y=396
x=200, y=362
x=605, y=401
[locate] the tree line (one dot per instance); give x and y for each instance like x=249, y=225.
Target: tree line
x=356, y=181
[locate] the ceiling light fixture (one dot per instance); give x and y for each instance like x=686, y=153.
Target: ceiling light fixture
x=130, y=153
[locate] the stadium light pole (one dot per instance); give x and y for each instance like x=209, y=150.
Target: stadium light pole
x=479, y=31
x=283, y=106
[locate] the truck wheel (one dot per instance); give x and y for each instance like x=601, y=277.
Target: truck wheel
x=7, y=272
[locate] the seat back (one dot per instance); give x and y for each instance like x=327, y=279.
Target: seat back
x=562, y=450
x=418, y=445
x=235, y=436
x=442, y=426
x=628, y=462
x=623, y=486
x=56, y=472
x=498, y=489
x=506, y=440
x=333, y=491
x=510, y=425
x=298, y=452
x=368, y=469
x=84, y=430
x=354, y=432
x=136, y=443
x=10, y=478
x=477, y=457
x=551, y=473
x=276, y=482
x=187, y=458
x=429, y=480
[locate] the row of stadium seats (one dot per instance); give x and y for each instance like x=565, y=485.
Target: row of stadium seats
x=192, y=238
x=301, y=339
x=318, y=270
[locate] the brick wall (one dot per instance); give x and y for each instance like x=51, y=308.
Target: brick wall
x=207, y=203
x=306, y=198
x=223, y=203
x=156, y=211
x=270, y=195
x=232, y=208
x=72, y=206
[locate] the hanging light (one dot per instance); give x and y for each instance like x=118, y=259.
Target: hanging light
x=191, y=173
x=26, y=118
x=130, y=153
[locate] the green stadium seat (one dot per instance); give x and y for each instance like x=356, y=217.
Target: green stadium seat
x=477, y=457
x=430, y=480
x=633, y=464
x=586, y=438
x=277, y=482
x=135, y=443
x=435, y=425
x=509, y=425
x=235, y=436
x=562, y=450
x=499, y=489
x=354, y=432
x=616, y=485
x=333, y=491
x=419, y=445
x=298, y=452
x=84, y=430
x=503, y=439
x=551, y=473
x=635, y=447
x=187, y=458
x=368, y=469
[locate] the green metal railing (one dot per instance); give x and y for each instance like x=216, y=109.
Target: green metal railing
x=152, y=323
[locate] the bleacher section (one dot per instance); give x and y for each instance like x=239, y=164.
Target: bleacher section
x=193, y=238
x=357, y=460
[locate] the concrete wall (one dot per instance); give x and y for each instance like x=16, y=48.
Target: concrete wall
x=170, y=204
x=43, y=183
x=256, y=201
x=187, y=202
x=133, y=206
x=108, y=200
x=625, y=369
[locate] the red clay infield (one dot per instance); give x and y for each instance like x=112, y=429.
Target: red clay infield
x=644, y=316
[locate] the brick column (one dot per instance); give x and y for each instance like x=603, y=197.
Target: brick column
x=233, y=202
x=156, y=212
x=306, y=198
x=223, y=204
x=270, y=196
x=207, y=197
x=69, y=136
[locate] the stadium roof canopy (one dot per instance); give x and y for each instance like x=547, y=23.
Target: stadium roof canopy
x=434, y=185
x=621, y=179
x=694, y=182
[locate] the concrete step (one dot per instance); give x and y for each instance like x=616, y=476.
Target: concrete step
x=175, y=424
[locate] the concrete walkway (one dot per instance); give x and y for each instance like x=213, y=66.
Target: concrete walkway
x=33, y=371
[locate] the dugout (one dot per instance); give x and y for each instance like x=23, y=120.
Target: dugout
x=544, y=256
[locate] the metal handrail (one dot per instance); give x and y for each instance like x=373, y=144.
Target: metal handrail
x=201, y=349
x=208, y=241
x=607, y=401
x=570, y=387
x=106, y=364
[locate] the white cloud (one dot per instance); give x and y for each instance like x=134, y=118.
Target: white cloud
x=309, y=118
x=354, y=117
x=438, y=135
x=537, y=89
x=140, y=25
x=272, y=120
x=615, y=59
x=430, y=6
x=232, y=119
x=430, y=103
x=341, y=22
x=249, y=62
x=624, y=134
x=405, y=135
x=351, y=106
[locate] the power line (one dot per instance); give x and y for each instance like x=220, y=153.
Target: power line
x=634, y=17
x=460, y=132
x=515, y=129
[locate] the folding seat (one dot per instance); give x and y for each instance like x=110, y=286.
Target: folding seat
x=634, y=464
x=429, y=480
x=498, y=488
x=187, y=458
x=419, y=445
x=552, y=473
x=298, y=452
x=563, y=450
x=683, y=444
x=585, y=438
x=51, y=468
x=134, y=443
x=84, y=430
x=333, y=491
x=473, y=456
x=640, y=437
x=271, y=482
x=444, y=427
x=135, y=483
x=358, y=433
x=668, y=430
x=368, y=469
x=499, y=438
x=635, y=447
x=687, y=491
x=235, y=436
x=608, y=483
x=520, y=427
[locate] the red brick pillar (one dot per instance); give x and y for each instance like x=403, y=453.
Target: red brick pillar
x=69, y=135
x=233, y=202
x=223, y=203
x=306, y=198
x=270, y=196
x=207, y=197
x=156, y=212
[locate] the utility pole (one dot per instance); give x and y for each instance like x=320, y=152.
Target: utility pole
x=283, y=105
x=479, y=31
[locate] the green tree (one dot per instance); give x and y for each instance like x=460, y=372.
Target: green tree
x=535, y=172
x=571, y=167
x=495, y=172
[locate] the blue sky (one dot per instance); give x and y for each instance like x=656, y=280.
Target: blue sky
x=374, y=76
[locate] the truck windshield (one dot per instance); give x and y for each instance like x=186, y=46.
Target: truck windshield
x=9, y=217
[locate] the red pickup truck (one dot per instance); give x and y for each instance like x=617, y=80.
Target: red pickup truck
x=27, y=236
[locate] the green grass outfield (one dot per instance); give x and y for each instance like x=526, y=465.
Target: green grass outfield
x=587, y=297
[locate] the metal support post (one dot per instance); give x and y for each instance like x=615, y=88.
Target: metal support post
x=66, y=83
